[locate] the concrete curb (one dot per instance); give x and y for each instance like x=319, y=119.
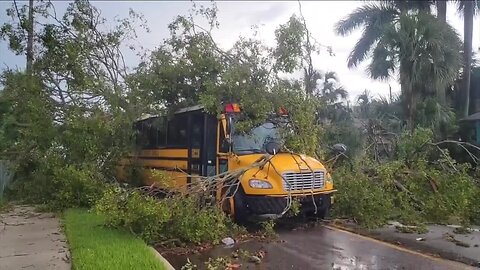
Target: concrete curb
x=159, y=256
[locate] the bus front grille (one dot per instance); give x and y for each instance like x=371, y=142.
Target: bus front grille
x=298, y=181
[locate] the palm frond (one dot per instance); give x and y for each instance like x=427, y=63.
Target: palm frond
x=331, y=75
x=363, y=46
x=383, y=61
x=461, y=6
x=434, y=51
x=373, y=24
x=363, y=15
x=341, y=92
x=406, y=5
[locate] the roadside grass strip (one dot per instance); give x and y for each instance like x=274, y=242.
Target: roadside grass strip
x=95, y=247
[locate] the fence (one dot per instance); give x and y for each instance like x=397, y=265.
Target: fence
x=6, y=176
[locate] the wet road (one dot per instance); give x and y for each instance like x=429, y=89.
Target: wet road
x=328, y=248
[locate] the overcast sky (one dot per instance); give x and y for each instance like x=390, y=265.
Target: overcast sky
x=237, y=17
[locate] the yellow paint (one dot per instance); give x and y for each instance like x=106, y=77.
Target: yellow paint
x=272, y=172
x=171, y=153
x=150, y=169
x=176, y=181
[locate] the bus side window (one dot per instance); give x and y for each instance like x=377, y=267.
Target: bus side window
x=141, y=139
x=197, y=130
x=177, y=132
x=161, y=132
x=151, y=136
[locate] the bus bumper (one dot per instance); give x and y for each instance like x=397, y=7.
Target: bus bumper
x=269, y=207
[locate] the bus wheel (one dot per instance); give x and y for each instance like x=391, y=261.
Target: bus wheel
x=322, y=213
x=240, y=212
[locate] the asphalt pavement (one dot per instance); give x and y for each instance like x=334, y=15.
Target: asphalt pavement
x=324, y=247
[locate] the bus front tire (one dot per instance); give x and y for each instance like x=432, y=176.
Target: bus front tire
x=240, y=212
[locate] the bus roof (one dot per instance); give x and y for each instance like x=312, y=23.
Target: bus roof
x=190, y=109
x=183, y=110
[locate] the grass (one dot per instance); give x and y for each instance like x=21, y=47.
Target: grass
x=4, y=206
x=94, y=246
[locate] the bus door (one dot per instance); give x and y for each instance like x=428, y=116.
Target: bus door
x=202, y=144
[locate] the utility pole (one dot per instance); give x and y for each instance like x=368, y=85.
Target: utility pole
x=390, y=95
x=30, y=37
x=468, y=11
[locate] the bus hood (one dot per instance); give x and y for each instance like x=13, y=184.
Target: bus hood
x=285, y=172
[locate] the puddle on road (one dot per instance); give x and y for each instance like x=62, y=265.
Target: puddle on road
x=251, y=246
x=199, y=260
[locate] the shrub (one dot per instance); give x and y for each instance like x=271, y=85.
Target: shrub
x=175, y=218
x=191, y=223
x=423, y=185
x=56, y=185
x=4, y=205
x=141, y=215
x=360, y=198
x=75, y=187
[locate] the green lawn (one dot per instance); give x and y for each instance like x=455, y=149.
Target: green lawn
x=96, y=247
x=4, y=206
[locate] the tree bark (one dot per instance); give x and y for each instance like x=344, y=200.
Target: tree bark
x=30, y=37
x=467, y=53
x=407, y=99
x=441, y=10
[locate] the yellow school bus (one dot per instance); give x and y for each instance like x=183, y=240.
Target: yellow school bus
x=194, y=142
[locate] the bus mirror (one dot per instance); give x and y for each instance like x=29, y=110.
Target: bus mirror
x=226, y=145
x=339, y=148
x=272, y=148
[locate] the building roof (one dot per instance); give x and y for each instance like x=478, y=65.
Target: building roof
x=472, y=117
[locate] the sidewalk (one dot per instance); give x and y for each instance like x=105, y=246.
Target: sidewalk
x=32, y=240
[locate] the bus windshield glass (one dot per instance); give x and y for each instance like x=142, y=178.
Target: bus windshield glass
x=255, y=140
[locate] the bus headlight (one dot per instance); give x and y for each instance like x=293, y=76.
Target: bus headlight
x=257, y=183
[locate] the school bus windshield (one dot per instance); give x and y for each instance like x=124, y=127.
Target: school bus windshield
x=254, y=141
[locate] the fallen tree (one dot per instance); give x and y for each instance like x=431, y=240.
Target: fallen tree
x=421, y=183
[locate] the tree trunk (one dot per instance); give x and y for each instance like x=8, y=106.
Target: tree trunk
x=30, y=37
x=412, y=109
x=467, y=54
x=407, y=100
x=442, y=10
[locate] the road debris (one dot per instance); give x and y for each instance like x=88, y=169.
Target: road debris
x=228, y=241
x=452, y=239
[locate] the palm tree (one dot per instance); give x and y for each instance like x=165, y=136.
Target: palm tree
x=468, y=11
x=331, y=90
x=363, y=102
x=332, y=95
x=441, y=10
x=424, y=51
